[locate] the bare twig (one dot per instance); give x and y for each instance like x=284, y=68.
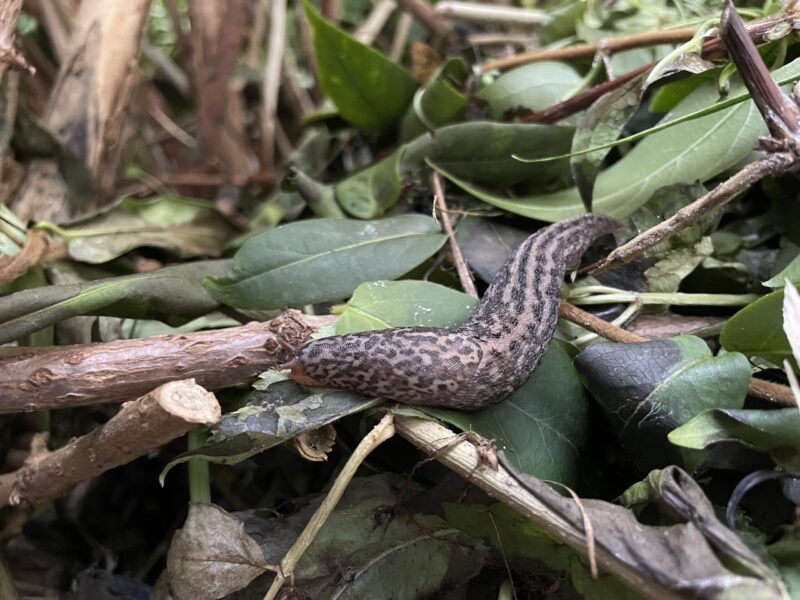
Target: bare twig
x=490, y=13
x=34, y=249
x=401, y=33
x=611, y=45
x=583, y=100
x=759, y=31
x=271, y=82
x=464, y=276
x=379, y=434
x=372, y=25
x=64, y=376
x=588, y=321
x=425, y=13
x=166, y=413
x=781, y=115
x=772, y=164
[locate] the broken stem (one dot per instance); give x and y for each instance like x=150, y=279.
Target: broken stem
x=379, y=434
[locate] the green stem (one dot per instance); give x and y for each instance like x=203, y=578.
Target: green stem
x=7, y=589
x=199, y=479
x=676, y=299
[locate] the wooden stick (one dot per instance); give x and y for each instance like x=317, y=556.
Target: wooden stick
x=139, y=427
x=461, y=265
x=636, y=40
x=67, y=376
x=772, y=164
x=425, y=13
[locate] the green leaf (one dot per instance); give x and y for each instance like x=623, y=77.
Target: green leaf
x=695, y=150
x=483, y=151
x=323, y=259
x=601, y=123
x=383, y=304
x=649, y=388
x=776, y=432
x=183, y=226
x=363, y=553
x=271, y=417
x=542, y=427
x=757, y=330
x=516, y=537
x=439, y=103
x=371, y=192
x=173, y=294
x=532, y=87
x=369, y=90
x=790, y=272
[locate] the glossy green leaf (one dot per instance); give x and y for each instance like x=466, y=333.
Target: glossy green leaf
x=776, y=432
x=183, y=226
x=691, y=151
x=790, y=272
x=542, y=427
x=757, y=330
x=532, y=87
x=173, y=294
x=439, y=103
x=649, y=388
x=323, y=259
x=601, y=123
x=483, y=151
x=369, y=90
x=371, y=192
x=383, y=304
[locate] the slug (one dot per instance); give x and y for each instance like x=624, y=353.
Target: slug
x=478, y=363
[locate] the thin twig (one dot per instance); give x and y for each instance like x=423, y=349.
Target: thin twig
x=379, y=434
x=272, y=82
x=772, y=164
x=425, y=13
x=372, y=25
x=490, y=13
x=401, y=33
x=464, y=275
x=611, y=45
x=760, y=32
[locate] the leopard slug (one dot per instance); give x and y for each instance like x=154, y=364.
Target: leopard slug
x=477, y=363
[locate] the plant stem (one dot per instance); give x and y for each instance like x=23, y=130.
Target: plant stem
x=199, y=479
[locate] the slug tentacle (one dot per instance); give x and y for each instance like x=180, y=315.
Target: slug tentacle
x=479, y=362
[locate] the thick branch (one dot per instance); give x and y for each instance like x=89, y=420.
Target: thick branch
x=138, y=428
x=35, y=378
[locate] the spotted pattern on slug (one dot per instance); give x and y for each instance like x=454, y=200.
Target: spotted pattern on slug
x=477, y=363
